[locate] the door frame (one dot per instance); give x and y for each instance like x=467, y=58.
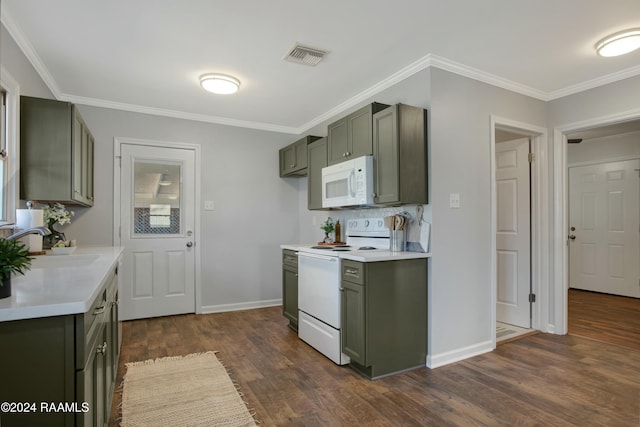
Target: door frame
x=561, y=212
x=539, y=219
x=117, y=157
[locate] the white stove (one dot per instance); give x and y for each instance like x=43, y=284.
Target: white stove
x=319, y=275
x=363, y=234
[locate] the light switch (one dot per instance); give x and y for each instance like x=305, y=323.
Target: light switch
x=454, y=200
x=208, y=205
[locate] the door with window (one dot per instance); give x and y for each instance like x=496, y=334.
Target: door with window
x=157, y=219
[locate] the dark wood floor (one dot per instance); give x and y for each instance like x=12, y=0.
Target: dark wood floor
x=607, y=318
x=543, y=379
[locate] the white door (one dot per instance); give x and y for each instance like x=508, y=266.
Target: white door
x=513, y=235
x=157, y=218
x=604, y=215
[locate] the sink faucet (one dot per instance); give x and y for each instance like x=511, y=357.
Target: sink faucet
x=44, y=231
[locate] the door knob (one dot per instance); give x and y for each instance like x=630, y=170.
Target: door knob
x=189, y=244
x=572, y=237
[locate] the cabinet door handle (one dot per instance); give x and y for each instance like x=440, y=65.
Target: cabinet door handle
x=351, y=271
x=99, y=310
x=293, y=165
x=341, y=289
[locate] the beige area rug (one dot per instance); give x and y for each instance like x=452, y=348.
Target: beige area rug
x=193, y=390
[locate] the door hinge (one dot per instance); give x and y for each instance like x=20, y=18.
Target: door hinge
x=531, y=157
x=532, y=298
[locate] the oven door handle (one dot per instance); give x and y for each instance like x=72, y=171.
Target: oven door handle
x=322, y=257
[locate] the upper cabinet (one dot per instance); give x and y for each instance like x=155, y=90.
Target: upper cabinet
x=317, y=159
x=351, y=136
x=56, y=153
x=293, y=158
x=400, y=155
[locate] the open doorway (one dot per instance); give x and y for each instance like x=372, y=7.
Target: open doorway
x=519, y=224
x=597, y=128
x=603, y=270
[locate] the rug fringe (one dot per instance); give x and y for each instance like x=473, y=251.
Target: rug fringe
x=168, y=358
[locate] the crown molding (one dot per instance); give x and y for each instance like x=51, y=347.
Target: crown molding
x=27, y=48
x=594, y=83
x=178, y=114
x=484, y=77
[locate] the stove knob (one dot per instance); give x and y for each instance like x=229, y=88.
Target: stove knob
x=380, y=223
x=366, y=222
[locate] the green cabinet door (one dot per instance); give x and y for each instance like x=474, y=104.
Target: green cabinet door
x=290, y=287
x=400, y=155
x=338, y=143
x=56, y=153
x=293, y=157
x=317, y=159
x=353, y=322
x=351, y=136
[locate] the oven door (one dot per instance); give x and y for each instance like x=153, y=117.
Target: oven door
x=319, y=287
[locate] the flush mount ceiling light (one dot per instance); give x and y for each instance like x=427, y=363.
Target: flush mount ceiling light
x=219, y=83
x=619, y=43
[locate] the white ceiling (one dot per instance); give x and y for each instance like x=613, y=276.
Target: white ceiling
x=147, y=55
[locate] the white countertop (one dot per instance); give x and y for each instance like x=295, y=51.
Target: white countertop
x=59, y=284
x=362, y=256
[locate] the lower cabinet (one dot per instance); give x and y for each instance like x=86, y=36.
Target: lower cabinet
x=384, y=315
x=65, y=366
x=290, y=287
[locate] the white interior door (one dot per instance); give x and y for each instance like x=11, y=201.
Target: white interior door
x=604, y=215
x=157, y=218
x=513, y=233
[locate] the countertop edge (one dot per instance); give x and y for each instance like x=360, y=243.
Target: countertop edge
x=109, y=257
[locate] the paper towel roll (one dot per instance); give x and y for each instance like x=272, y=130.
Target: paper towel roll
x=29, y=218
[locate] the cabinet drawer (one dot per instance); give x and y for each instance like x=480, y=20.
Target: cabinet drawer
x=353, y=272
x=290, y=258
x=90, y=325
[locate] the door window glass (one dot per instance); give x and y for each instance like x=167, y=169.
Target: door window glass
x=157, y=201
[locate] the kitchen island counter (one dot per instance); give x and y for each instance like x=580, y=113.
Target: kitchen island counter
x=60, y=285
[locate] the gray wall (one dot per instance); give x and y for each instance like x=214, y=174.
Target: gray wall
x=460, y=290
x=255, y=210
x=609, y=148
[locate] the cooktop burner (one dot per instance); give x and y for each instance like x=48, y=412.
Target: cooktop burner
x=367, y=248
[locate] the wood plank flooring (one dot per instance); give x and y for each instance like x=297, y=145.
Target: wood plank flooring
x=607, y=318
x=543, y=379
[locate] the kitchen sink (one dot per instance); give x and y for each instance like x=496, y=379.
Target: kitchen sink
x=62, y=261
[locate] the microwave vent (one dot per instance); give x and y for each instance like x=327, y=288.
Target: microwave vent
x=305, y=55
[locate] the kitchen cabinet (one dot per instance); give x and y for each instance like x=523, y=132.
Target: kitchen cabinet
x=384, y=315
x=293, y=158
x=351, y=136
x=290, y=287
x=67, y=359
x=400, y=155
x=316, y=160
x=56, y=153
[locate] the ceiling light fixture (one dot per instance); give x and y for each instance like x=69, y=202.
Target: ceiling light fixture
x=619, y=43
x=219, y=83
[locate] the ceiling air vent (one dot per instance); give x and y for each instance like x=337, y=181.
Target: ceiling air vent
x=305, y=55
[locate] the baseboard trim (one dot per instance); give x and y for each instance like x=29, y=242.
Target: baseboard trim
x=221, y=308
x=438, y=360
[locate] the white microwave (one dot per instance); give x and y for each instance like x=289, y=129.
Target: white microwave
x=349, y=183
